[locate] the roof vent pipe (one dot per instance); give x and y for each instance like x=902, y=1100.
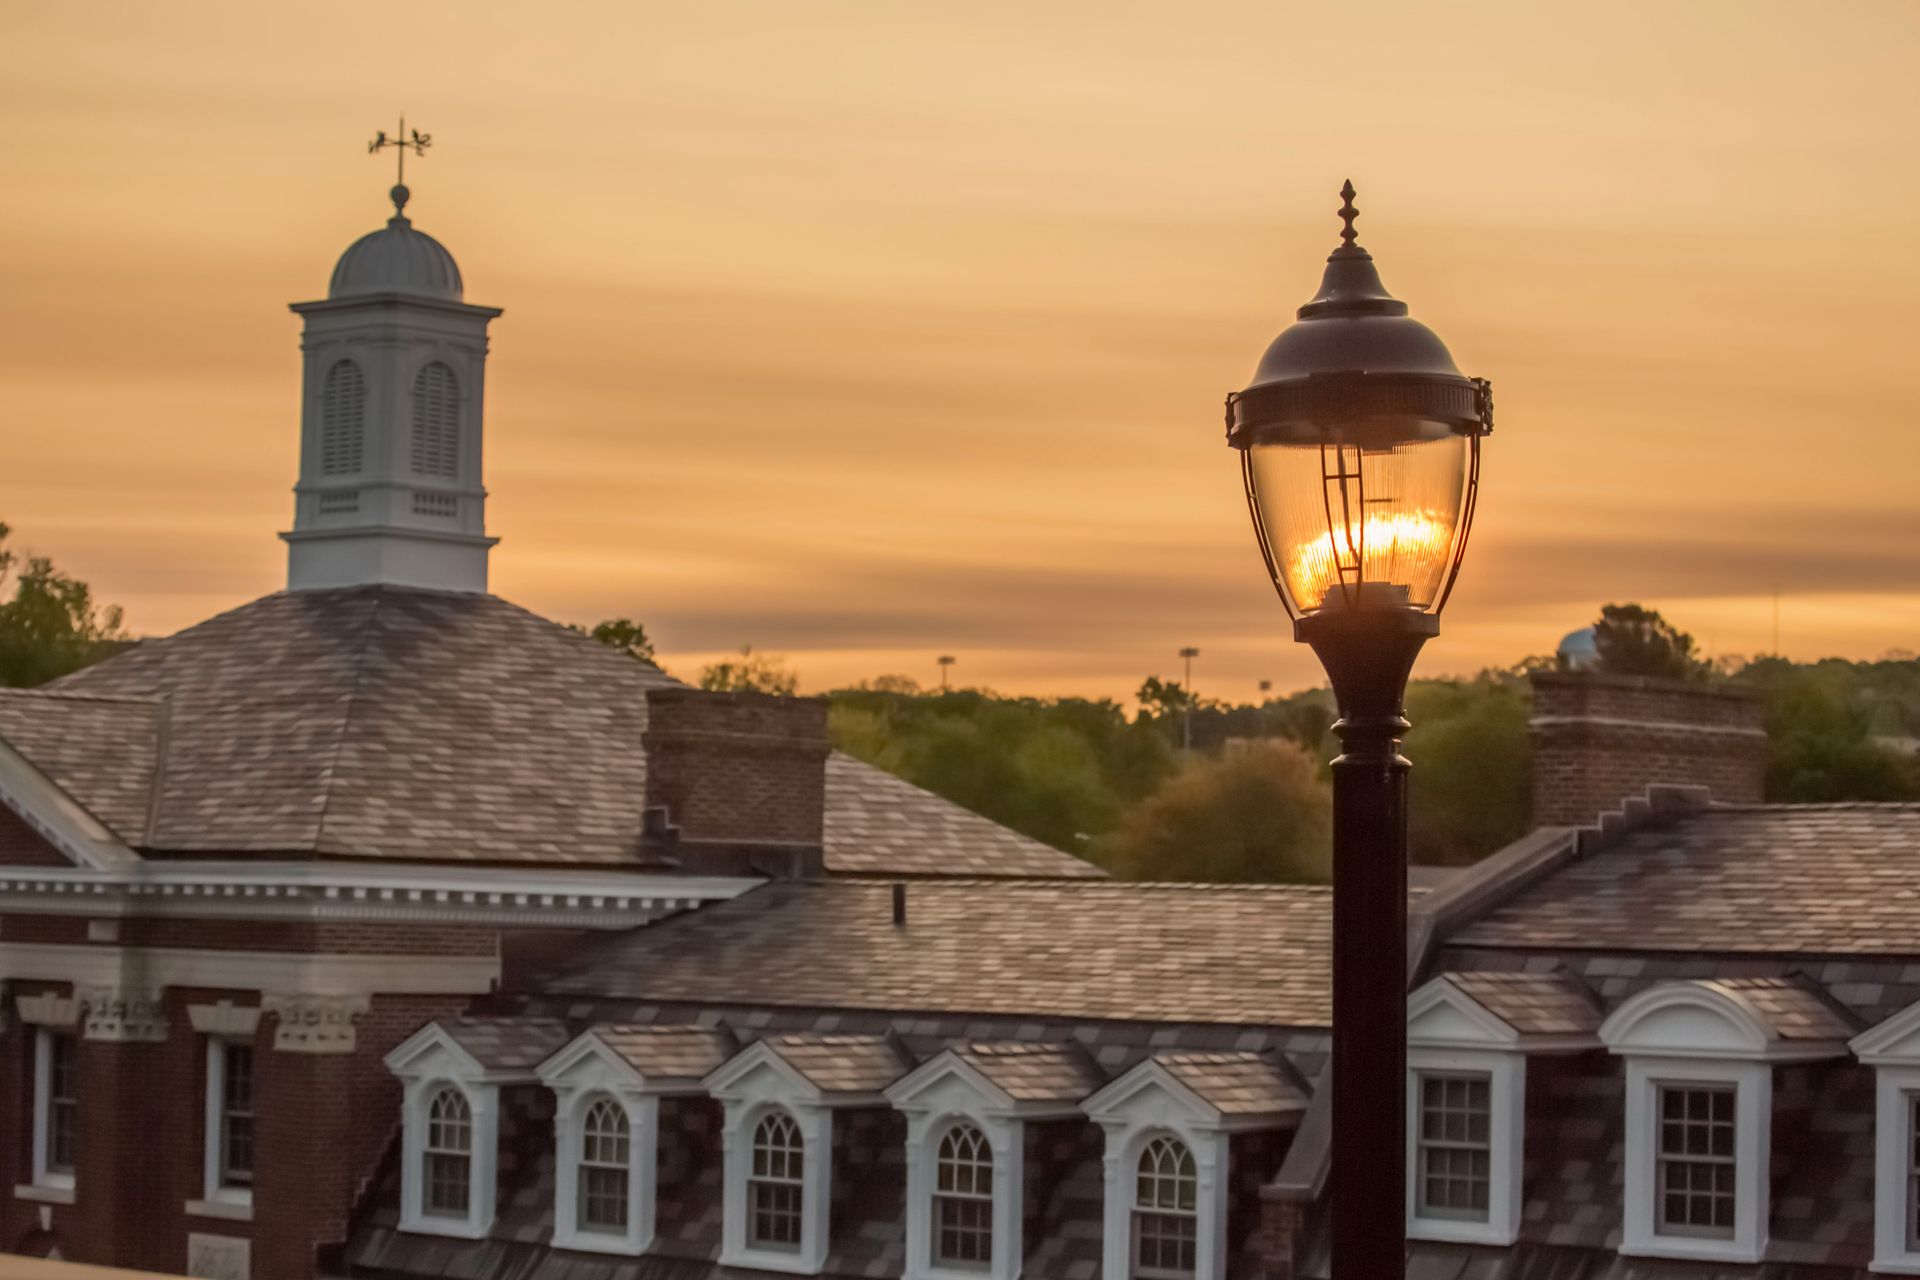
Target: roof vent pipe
x=899, y=906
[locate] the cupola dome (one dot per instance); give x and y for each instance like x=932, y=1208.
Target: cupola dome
x=397, y=259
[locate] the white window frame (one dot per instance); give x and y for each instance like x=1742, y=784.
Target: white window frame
x=1506, y=1077
x=643, y=1126
x=973, y=1151
x=1892, y=1049
x=219, y=1199
x=749, y=1086
x=1146, y=1103
x=45, y=1176
x=1136, y=1210
x=1700, y=1033
x=426, y=1062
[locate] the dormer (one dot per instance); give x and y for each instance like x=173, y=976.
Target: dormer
x=1468, y=1039
x=967, y=1109
x=607, y=1085
x=780, y=1095
x=451, y=1073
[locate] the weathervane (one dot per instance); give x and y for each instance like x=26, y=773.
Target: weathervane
x=416, y=141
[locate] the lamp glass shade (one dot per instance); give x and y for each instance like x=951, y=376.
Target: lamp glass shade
x=1371, y=517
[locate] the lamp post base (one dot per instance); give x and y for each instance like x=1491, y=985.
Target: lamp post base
x=1369, y=654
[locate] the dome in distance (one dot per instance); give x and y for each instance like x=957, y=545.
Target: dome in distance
x=397, y=259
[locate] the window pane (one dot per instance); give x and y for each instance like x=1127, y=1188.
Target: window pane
x=1455, y=1161
x=1696, y=1169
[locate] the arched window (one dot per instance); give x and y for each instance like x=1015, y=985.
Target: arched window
x=776, y=1184
x=963, y=1199
x=436, y=422
x=343, y=419
x=1165, y=1223
x=604, y=1163
x=448, y=1176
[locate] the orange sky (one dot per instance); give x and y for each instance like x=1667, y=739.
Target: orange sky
x=869, y=330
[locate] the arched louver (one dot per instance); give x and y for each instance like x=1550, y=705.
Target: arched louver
x=436, y=422
x=343, y=420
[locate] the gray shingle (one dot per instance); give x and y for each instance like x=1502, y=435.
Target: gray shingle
x=1030, y=1071
x=1533, y=1004
x=1240, y=954
x=1238, y=1083
x=100, y=750
x=669, y=1052
x=842, y=1063
x=504, y=1044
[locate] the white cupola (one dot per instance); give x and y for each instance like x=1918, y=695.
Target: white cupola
x=390, y=486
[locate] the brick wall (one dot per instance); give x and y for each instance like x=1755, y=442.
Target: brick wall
x=1599, y=740
x=22, y=846
x=738, y=767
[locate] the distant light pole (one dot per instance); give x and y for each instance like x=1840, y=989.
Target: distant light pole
x=1186, y=724
x=1359, y=443
x=945, y=660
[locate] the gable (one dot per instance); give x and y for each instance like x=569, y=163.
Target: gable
x=22, y=846
x=1438, y=1015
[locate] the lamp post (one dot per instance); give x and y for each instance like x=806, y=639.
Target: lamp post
x=945, y=660
x=1359, y=444
x=1187, y=655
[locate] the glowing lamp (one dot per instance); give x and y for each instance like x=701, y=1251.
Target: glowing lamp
x=1359, y=441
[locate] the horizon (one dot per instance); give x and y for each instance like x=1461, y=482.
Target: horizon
x=917, y=345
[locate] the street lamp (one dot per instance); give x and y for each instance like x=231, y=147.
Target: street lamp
x=1359, y=443
x=945, y=660
x=1188, y=654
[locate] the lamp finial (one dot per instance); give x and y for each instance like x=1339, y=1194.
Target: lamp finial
x=1347, y=213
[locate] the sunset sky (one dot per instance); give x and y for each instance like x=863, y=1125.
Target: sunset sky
x=867, y=331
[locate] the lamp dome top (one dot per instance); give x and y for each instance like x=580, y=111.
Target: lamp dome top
x=397, y=259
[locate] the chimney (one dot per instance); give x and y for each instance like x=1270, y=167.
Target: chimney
x=1600, y=740
x=742, y=779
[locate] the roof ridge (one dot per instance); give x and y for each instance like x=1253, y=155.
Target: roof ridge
x=80, y=695
x=329, y=771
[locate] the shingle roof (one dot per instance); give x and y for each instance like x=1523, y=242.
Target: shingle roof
x=1034, y=1072
x=878, y=824
x=1238, y=1083
x=842, y=1063
x=380, y=722
x=1793, y=1007
x=504, y=1044
x=1238, y=954
x=669, y=1052
x=101, y=751
x=1533, y=1004
x=1766, y=879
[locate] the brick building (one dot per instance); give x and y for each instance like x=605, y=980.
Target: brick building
x=382, y=929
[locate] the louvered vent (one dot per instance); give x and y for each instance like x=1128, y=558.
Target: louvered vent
x=339, y=501
x=436, y=422
x=444, y=506
x=343, y=419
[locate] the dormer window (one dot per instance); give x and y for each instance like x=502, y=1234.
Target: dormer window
x=448, y=1154
x=963, y=1199
x=605, y=1170
x=781, y=1095
x=777, y=1187
x=1171, y=1125
x=453, y=1073
x=1892, y=1049
x=607, y=1085
x=1469, y=1036
x=1166, y=1219
x=1699, y=1078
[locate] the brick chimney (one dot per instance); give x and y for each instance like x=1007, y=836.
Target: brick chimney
x=736, y=782
x=1599, y=740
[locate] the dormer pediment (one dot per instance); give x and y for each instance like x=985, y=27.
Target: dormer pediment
x=757, y=1072
x=431, y=1052
x=1893, y=1042
x=1150, y=1096
x=1770, y=1020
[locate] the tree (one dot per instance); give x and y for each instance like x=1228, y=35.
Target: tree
x=1470, y=790
x=751, y=673
x=1258, y=815
x=1828, y=728
x=51, y=626
x=628, y=636
x=1637, y=641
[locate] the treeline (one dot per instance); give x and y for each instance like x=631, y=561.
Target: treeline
x=1250, y=801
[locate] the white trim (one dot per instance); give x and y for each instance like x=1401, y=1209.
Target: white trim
x=1896, y=1094
x=159, y=967
x=62, y=820
x=1442, y=1016
x=218, y=1198
x=1145, y=1103
x=1704, y=1020
x=44, y=1178
x=580, y=1074
x=1506, y=1075
x=593, y=897
x=1668, y=726
x=425, y=1062
x=816, y=1193
x=940, y=1095
x=1752, y=1083
x=44, y=1195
